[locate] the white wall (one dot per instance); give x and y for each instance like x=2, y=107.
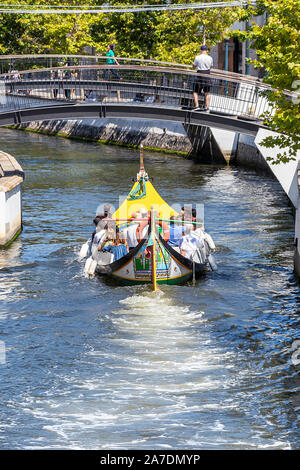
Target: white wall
x=10, y=210
x=286, y=173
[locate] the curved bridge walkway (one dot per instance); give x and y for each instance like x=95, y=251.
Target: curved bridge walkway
x=73, y=87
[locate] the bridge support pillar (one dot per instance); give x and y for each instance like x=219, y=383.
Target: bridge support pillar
x=205, y=148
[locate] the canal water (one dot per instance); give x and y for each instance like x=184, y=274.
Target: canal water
x=90, y=365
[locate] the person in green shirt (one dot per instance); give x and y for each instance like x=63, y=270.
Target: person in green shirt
x=111, y=60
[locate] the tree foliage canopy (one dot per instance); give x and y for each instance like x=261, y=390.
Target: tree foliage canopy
x=277, y=45
x=161, y=35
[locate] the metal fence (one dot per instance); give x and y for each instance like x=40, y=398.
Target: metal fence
x=30, y=81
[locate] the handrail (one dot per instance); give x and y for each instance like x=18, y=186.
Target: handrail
x=215, y=73
x=171, y=84
x=96, y=57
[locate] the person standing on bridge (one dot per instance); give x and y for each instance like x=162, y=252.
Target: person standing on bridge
x=111, y=60
x=202, y=63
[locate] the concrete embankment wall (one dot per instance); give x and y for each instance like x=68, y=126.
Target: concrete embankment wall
x=247, y=154
x=11, y=179
x=158, y=135
x=192, y=141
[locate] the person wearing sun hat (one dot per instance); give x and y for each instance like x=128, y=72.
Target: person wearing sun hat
x=202, y=63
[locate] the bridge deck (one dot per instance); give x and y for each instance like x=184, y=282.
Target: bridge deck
x=81, y=111
x=130, y=91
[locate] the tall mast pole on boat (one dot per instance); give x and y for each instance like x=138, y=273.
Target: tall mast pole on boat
x=141, y=159
x=154, y=256
x=142, y=173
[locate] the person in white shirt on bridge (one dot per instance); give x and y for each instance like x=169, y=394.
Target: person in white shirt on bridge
x=202, y=63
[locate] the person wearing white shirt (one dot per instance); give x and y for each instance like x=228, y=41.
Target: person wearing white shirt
x=202, y=63
x=98, y=240
x=191, y=242
x=99, y=237
x=129, y=234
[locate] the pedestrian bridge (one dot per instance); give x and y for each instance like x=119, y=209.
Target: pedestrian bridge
x=47, y=87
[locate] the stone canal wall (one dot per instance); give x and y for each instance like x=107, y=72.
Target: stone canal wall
x=11, y=179
x=206, y=145
x=155, y=135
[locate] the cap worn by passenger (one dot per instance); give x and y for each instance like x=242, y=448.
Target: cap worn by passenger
x=203, y=48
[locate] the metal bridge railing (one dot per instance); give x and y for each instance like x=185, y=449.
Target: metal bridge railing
x=30, y=81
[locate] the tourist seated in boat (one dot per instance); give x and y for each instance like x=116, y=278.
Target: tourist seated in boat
x=176, y=231
x=130, y=232
x=188, y=213
x=138, y=229
x=107, y=211
x=99, y=226
x=118, y=247
x=192, y=241
x=106, y=214
x=143, y=227
x=95, y=222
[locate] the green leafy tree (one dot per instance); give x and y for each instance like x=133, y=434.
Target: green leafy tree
x=180, y=34
x=161, y=35
x=277, y=45
x=174, y=36
x=44, y=33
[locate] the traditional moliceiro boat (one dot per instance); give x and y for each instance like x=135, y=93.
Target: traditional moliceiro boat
x=153, y=260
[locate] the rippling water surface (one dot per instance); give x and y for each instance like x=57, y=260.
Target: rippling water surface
x=92, y=366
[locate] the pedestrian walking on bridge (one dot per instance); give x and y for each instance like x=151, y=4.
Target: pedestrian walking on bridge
x=111, y=60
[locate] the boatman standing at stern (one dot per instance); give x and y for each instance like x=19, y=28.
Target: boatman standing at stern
x=202, y=63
